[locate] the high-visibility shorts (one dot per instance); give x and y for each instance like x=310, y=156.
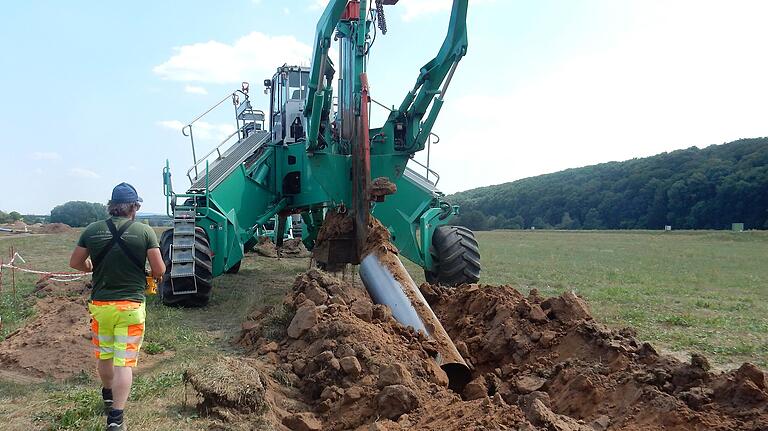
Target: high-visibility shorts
x=118, y=330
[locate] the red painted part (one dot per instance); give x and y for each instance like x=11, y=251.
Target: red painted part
x=352, y=11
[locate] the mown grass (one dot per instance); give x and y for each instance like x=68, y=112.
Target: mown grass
x=700, y=291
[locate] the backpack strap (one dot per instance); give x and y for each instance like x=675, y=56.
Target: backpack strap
x=117, y=239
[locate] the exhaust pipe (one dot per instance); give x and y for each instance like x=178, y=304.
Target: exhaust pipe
x=389, y=284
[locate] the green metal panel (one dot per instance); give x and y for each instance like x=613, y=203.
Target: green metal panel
x=309, y=176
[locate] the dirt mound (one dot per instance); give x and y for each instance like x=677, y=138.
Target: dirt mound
x=552, y=350
x=47, y=287
x=328, y=358
x=54, y=228
x=57, y=342
x=265, y=247
x=292, y=247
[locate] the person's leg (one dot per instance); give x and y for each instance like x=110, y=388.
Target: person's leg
x=106, y=372
x=102, y=327
x=121, y=386
x=129, y=333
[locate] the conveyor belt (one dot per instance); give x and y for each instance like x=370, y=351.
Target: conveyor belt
x=230, y=160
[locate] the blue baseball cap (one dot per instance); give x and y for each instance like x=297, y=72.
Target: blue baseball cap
x=125, y=193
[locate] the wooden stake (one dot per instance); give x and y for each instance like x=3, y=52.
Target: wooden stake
x=13, y=274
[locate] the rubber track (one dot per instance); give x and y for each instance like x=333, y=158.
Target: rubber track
x=456, y=255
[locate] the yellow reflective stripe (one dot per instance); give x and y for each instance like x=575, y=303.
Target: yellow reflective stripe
x=125, y=354
x=128, y=339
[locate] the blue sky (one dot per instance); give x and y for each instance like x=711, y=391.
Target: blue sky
x=93, y=92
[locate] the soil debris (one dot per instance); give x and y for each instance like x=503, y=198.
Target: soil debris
x=265, y=247
x=292, y=248
x=60, y=329
x=351, y=370
x=380, y=188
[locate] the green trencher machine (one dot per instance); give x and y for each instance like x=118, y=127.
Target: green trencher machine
x=315, y=153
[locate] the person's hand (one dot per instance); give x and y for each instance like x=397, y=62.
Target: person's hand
x=89, y=265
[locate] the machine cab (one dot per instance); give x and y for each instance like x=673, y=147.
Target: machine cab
x=287, y=90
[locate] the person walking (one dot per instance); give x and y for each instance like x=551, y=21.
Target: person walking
x=116, y=250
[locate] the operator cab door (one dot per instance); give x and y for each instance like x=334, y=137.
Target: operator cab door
x=289, y=89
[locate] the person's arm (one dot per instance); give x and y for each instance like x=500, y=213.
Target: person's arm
x=80, y=260
x=156, y=263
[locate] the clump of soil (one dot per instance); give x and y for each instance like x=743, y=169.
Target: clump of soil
x=292, y=247
x=265, y=247
x=228, y=384
x=328, y=358
x=57, y=342
x=380, y=188
x=335, y=225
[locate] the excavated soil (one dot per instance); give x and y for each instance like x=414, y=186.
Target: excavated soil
x=328, y=358
x=380, y=188
x=57, y=342
x=538, y=364
x=292, y=247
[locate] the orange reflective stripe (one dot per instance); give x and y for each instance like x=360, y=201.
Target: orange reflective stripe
x=121, y=305
x=132, y=347
x=136, y=330
x=95, y=332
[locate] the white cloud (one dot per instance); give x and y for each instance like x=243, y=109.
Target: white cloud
x=286, y=11
x=194, y=89
x=201, y=130
x=45, y=155
x=318, y=4
x=250, y=57
x=83, y=173
x=171, y=124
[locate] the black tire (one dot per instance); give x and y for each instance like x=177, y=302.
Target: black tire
x=203, y=273
x=235, y=268
x=456, y=256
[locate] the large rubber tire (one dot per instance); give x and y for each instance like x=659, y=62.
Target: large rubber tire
x=456, y=256
x=203, y=275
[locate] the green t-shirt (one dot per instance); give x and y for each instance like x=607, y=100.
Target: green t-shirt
x=116, y=277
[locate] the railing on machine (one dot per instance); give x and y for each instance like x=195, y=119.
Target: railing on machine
x=244, y=113
x=426, y=167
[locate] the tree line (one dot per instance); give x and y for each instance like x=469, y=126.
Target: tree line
x=694, y=188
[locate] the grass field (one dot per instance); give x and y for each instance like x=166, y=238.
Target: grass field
x=685, y=291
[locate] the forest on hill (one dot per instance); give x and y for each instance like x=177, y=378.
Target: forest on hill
x=707, y=188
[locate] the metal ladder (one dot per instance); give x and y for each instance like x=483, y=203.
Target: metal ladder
x=183, y=249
